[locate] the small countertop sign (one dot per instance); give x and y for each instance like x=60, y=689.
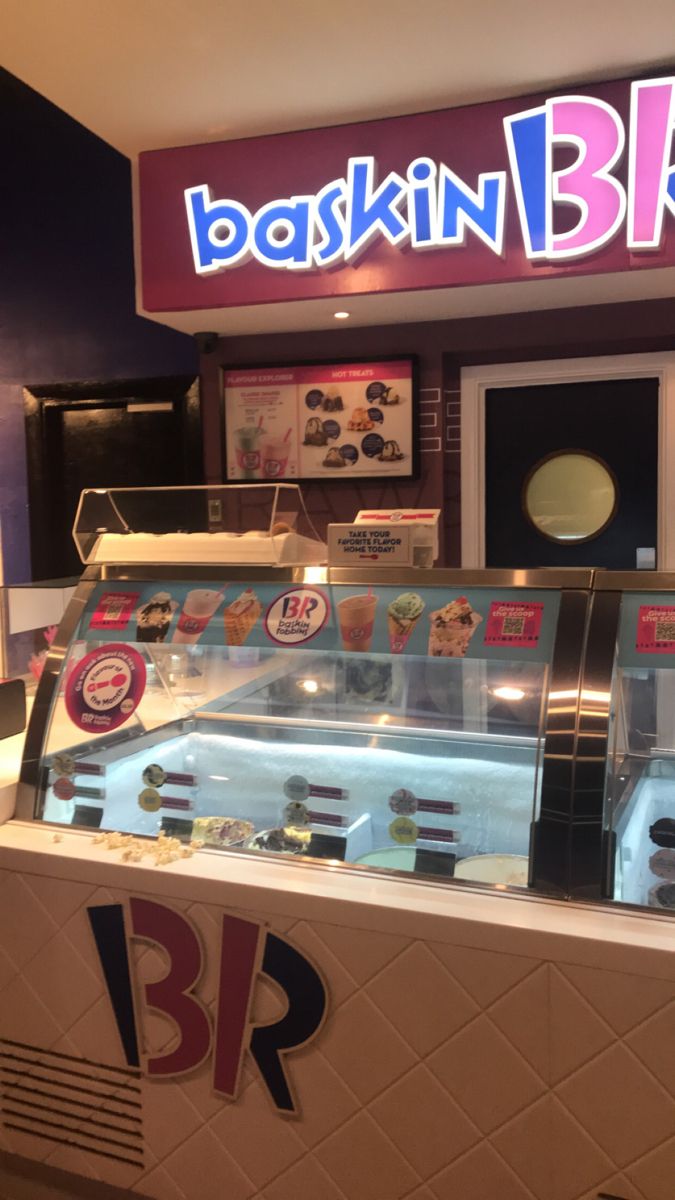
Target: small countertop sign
x=362, y=544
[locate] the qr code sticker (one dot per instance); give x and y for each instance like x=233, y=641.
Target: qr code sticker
x=113, y=609
x=515, y=626
x=665, y=631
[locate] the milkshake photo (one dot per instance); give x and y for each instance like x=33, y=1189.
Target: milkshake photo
x=356, y=615
x=248, y=449
x=274, y=456
x=198, y=608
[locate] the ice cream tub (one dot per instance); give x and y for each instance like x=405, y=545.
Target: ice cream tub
x=510, y=869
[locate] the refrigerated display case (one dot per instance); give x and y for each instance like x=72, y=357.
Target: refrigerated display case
x=640, y=780
x=394, y=721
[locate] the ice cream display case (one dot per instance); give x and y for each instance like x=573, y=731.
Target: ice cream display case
x=386, y=720
x=640, y=780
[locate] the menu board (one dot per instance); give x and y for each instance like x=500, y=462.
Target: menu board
x=321, y=421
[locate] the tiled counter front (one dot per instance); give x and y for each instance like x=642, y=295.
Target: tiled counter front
x=444, y=1071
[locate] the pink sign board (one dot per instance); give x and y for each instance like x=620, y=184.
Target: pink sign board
x=519, y=189
x=513, y=624
x=656, y=629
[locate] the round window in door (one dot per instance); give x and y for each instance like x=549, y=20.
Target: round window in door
x=570, y=496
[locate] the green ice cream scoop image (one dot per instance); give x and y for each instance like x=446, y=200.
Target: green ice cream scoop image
x=406, y=607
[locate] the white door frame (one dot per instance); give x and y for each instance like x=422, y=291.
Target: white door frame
x=476, y=380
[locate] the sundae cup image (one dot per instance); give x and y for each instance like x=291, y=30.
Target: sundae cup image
x=332, y=402
x=360, y=420
x=154, y=617
x=333, y=459
x=314, y=432
x=240, y=616
x=402, y=616
x=356, y=615
x=452, y=628
x=274, y=456
x=389, y=396
x=198, y=608
x=390, y=452
x=247, y=450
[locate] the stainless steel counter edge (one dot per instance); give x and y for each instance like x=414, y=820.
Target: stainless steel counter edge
x=549, y=578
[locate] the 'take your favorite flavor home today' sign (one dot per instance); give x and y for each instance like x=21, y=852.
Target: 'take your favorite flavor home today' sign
x=580, y=183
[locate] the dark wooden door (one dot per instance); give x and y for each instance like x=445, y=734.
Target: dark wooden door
x=119, y=441
x=614, y=421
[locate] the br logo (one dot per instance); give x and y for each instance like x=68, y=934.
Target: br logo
x=247, y=950
x=297, y=615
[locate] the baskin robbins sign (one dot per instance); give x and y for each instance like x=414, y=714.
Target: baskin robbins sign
x=580, y=183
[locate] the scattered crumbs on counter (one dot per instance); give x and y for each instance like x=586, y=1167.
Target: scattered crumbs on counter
x=58, y=837
x=164, y=850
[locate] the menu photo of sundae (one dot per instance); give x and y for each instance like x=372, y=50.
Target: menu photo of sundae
x=452, y=628
x=381, y=393
x=154, y=618
x=360, y=421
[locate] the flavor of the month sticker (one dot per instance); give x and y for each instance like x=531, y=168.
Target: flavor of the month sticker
x=656, y=629
x=105, y=688
x=114, y=610
x=514, y=623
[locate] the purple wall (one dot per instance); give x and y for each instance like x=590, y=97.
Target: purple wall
x=66, y=282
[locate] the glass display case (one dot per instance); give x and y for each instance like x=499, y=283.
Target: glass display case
x=388, y=720
x=640, y=783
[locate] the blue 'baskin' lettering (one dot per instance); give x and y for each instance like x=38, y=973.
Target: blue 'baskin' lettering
x=330, y=223
x=460, y=208
x=219, y=230
x=281, y=233
x=527, y=143
x=422, y=211
x=372, y=211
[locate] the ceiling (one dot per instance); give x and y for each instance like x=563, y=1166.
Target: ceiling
x=145, y=74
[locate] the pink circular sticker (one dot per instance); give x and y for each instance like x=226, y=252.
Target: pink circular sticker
x=105, y=688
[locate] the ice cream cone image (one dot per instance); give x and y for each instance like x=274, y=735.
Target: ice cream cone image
x=402, y=616
x=240, y=617
x=452, y=628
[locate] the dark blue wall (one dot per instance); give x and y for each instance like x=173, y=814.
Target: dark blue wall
x=66, y=282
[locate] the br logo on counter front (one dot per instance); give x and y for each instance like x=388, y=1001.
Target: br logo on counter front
x=247, y=950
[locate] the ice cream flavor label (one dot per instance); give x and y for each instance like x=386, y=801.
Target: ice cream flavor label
x=656, y=629
x=114, y=610
x=510, y=623
x=296, y=616
x=105, y=688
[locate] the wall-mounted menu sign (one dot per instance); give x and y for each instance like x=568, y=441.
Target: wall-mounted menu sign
x=321, y=421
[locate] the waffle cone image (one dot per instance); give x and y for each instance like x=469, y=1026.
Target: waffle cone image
x=399, y=632
x=240, y=617
x=402, y=616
